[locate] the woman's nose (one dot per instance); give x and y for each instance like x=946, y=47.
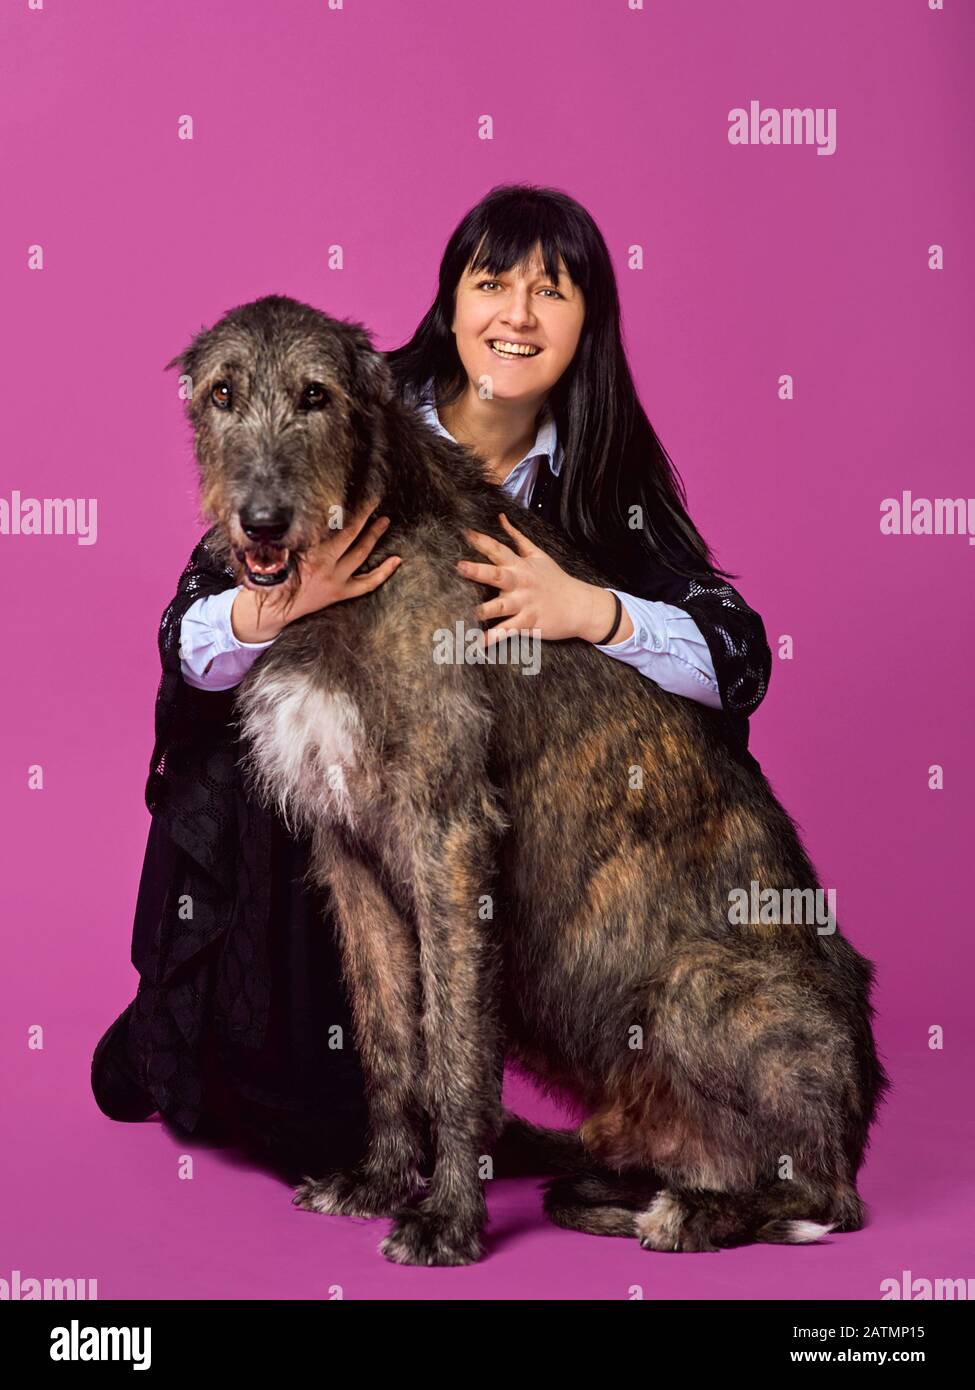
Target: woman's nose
x=518, y=315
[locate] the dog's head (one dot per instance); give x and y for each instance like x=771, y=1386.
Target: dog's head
x=286, y=406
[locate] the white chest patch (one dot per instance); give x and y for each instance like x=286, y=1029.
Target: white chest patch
x=304, y=743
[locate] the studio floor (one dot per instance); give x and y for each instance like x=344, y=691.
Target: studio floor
x=85, y=1197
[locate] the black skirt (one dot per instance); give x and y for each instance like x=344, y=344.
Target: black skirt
x=295, y=1095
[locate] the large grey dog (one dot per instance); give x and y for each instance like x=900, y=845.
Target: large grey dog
x=561, y=899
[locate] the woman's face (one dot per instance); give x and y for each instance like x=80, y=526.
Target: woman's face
x=524, y=308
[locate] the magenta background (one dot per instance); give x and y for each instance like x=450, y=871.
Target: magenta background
x=359, y=127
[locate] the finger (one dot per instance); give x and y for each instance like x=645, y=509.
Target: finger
x=521, y=542
x=365, y=583
x=354, y=556
x=493, y=607
x=341, y=537
x=509, y=628
x=482, y=574
x=488, y=546
x=366, y=507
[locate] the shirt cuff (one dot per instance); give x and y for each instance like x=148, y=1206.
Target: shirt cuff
x=666, y=646
x=649, y=627
x=217, y=614
x=211, y=656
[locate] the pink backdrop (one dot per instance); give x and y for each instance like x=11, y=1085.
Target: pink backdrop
x=358, y=126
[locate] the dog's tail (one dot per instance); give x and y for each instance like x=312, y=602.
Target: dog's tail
x=524, y=1149
x=842, y=1210
x=600, y=1202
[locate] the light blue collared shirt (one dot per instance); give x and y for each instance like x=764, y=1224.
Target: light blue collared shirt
x=665, y=646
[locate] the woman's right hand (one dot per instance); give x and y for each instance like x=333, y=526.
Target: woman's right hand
x=326, y=577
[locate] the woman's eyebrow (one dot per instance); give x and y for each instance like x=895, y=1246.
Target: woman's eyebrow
x=562, y=277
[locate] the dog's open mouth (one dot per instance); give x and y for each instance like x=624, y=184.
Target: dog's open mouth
x=265, y=563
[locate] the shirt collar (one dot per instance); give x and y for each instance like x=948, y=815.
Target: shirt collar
x=546, y=437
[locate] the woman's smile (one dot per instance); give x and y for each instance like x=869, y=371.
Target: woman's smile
x=513, y=349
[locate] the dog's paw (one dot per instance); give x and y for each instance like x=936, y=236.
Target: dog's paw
x=351, y=1193
x=431, y=1238
x=669, y=1225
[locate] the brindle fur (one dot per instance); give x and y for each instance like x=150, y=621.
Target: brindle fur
x=427, y=786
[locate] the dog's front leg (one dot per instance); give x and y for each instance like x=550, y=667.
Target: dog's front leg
x=459, y=966
x=381, y=966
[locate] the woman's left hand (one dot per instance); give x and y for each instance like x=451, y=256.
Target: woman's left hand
x=536, y=593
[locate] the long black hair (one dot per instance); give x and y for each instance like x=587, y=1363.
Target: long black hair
x=613, y=458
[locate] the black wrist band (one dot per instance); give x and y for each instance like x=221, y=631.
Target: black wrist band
x=616, y=623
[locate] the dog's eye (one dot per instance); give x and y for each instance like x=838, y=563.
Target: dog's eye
x=221, y=395
x=314, y=396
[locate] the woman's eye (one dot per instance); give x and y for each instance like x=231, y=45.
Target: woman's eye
x=221, y=395
x=314, y=396
x=548, y=290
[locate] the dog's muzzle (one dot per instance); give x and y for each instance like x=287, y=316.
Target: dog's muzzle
x=266, y=560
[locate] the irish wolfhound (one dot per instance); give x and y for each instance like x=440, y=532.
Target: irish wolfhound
x=534, y=861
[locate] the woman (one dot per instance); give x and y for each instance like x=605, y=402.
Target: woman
x=241, y=1023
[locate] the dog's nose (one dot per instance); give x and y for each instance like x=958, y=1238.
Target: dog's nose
x=264, y=523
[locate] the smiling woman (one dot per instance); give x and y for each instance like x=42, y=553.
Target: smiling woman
x=525, y=326
x=562, y=429
x=241, y=1017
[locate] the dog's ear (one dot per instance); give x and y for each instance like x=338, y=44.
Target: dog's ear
x=372, y=380
x=187, y=360
x=376, y=377
x=372, y=389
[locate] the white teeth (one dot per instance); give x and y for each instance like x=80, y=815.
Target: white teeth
x=513, y=349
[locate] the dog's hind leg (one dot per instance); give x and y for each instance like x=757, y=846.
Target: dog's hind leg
x=379, y=952
x=778, y=1213
x=769, y=1089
